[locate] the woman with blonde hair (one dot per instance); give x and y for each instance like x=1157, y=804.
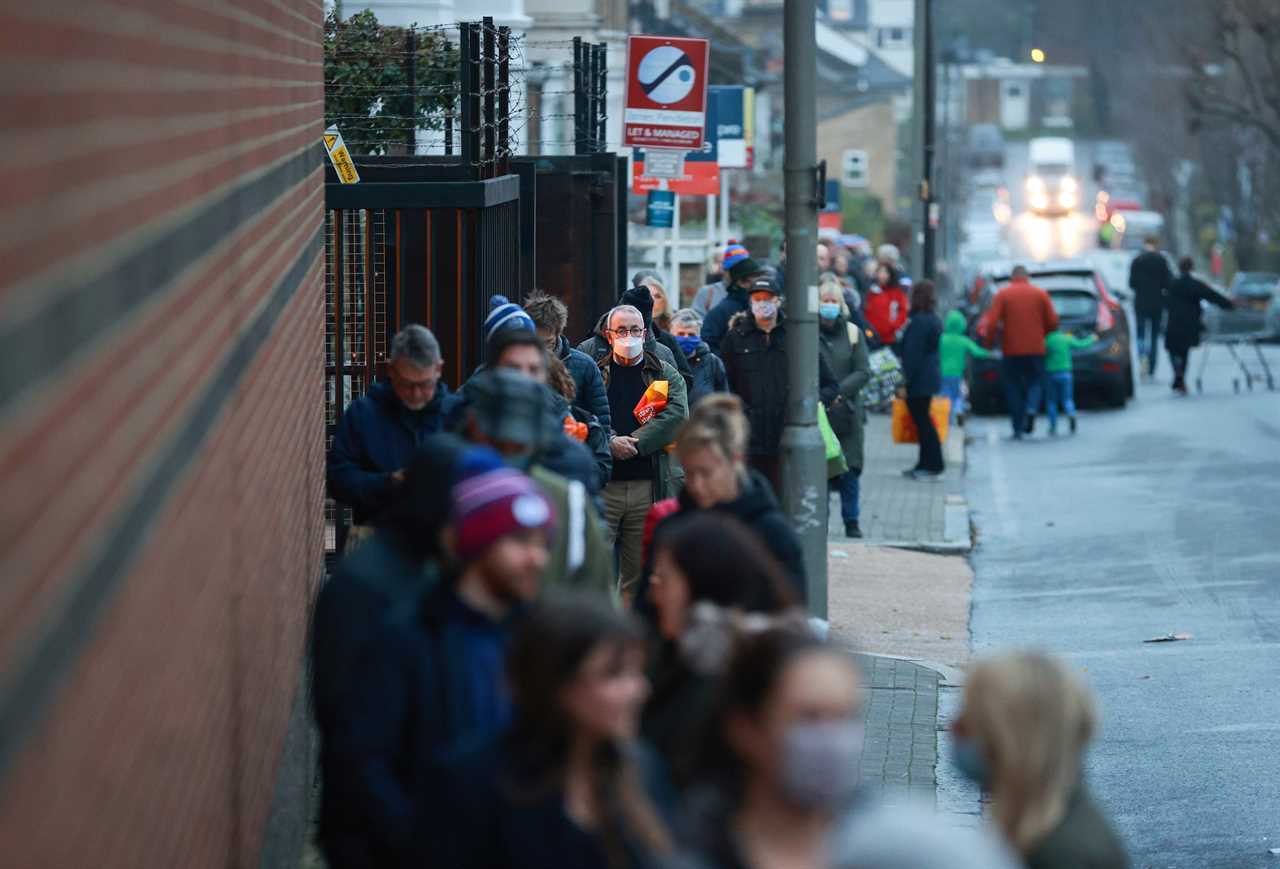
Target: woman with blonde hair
x=712, y=448
x=1021, y=735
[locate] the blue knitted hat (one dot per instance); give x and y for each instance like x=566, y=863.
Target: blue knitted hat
x=504, y=314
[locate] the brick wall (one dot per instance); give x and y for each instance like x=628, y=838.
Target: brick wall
x=161, y=424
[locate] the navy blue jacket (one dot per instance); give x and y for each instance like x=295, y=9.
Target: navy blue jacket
x=377, y=436
x=921, y=364
x=708, y=374
x=716, y=324
x=592, y=396
x=428, y=681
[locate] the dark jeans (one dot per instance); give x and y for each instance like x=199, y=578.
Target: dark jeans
x=850, y=485
x=1149, y=337
x=930, y=446
x=1023, y=377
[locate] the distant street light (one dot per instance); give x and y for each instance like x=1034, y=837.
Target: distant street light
x=1037, y=55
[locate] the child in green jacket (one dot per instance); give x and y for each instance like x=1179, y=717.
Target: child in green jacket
x=1057, y=367
x=955, y=348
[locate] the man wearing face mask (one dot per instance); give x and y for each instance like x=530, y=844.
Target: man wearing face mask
x=755, y=359
x=740, y=272
x=641, y=466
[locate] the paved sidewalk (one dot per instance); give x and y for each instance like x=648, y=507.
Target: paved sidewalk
x=900, y=751
x=903, y=512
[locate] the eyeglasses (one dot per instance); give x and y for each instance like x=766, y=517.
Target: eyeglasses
x=623, y=332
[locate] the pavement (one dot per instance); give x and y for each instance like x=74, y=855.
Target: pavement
x=1157, y=519
x=904, y=607
x=930, y=515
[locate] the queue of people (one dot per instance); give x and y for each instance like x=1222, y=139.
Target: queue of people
x=570, y=625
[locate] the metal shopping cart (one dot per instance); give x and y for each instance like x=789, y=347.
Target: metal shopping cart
x=1252, y=370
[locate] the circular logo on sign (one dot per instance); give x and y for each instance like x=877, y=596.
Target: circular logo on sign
x=666, y=74
x=529, y=511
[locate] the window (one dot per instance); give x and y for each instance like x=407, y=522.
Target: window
x=853, y=168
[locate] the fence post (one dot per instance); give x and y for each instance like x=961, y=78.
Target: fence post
x=504, y=99
x=490, y=108
x=602, y=104
x=469, y=54
x=579, y=99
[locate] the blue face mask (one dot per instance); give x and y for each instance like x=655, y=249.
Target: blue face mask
x=967, y=758
x=828, y=310
x=688, y=343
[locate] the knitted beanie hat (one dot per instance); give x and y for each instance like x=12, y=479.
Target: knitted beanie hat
x=493, y=504
x=505, y=314
x=737, y=263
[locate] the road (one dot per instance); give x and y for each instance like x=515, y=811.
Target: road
x=1159, y=518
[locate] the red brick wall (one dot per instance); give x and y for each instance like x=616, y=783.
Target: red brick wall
x=161, y=424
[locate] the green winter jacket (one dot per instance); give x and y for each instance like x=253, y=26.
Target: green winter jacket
x=658, y=433
x=955, y=346
x=1057, y=350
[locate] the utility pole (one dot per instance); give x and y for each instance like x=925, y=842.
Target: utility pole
x=924, y=91
x=804, y=467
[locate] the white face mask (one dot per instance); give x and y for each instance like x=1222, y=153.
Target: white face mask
x=628, y=348
x=820, y=763
x=764, y=310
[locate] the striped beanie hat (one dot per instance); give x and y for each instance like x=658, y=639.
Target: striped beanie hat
x=505, y=314
x=737, y=263
x=493, y=504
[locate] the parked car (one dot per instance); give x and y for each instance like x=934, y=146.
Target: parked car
x=1085, y=307
x=986, y=146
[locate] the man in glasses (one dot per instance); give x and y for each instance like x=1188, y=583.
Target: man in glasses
x=641, y=466
x=381, y=430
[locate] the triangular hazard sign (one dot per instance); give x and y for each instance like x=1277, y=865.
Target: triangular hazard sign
x=330, y=140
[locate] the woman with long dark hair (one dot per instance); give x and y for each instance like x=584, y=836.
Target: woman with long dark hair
x=922, y=368
x=779, y=763
x=702, y=594
x=567, y=785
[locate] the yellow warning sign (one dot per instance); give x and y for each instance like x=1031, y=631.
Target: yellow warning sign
x=340, y=157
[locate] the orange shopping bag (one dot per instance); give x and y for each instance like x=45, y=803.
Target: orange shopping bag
x=904, y=427
x=653, y=402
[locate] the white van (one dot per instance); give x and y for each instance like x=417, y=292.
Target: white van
x=1052, y=186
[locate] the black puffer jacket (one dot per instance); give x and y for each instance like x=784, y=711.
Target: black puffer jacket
x=1184, y=327
x=708, y=374
x=756, y=364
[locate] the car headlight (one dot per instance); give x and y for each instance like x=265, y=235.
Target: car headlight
x=1035, y=184
x=1039, y=201
x=1069, y=185
x=1067, y=199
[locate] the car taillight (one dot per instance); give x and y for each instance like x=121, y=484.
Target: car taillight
x=990, y=375
x=1106, y=320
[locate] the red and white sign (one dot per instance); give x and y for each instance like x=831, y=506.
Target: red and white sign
x=696, y=179
x=666, y=92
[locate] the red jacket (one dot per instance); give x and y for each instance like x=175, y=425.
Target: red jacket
x=1027, y=315
x=886, y=312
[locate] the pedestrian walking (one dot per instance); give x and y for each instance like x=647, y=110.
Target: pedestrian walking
x=844, y=350
x=1026, y=315
x=778, y=768
x=922, y=368
x=379, y=432
x=390, y=572
x=710, y=293
x=567, y=785
x=641, y=466
x=1021, y=735
x=701, y=594
x=708, y=369
x=954, y=351
x=515, y=416
x=1060, y=381
x=712, y=449
x=741, y=271
x=550, y=316
x=1150, y=280
x=435, y=675
x=1185, y=323
x=755, y=359
x=886, y=305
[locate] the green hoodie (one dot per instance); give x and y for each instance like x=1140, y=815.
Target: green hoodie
x=1057, y=350
x=956, y=346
